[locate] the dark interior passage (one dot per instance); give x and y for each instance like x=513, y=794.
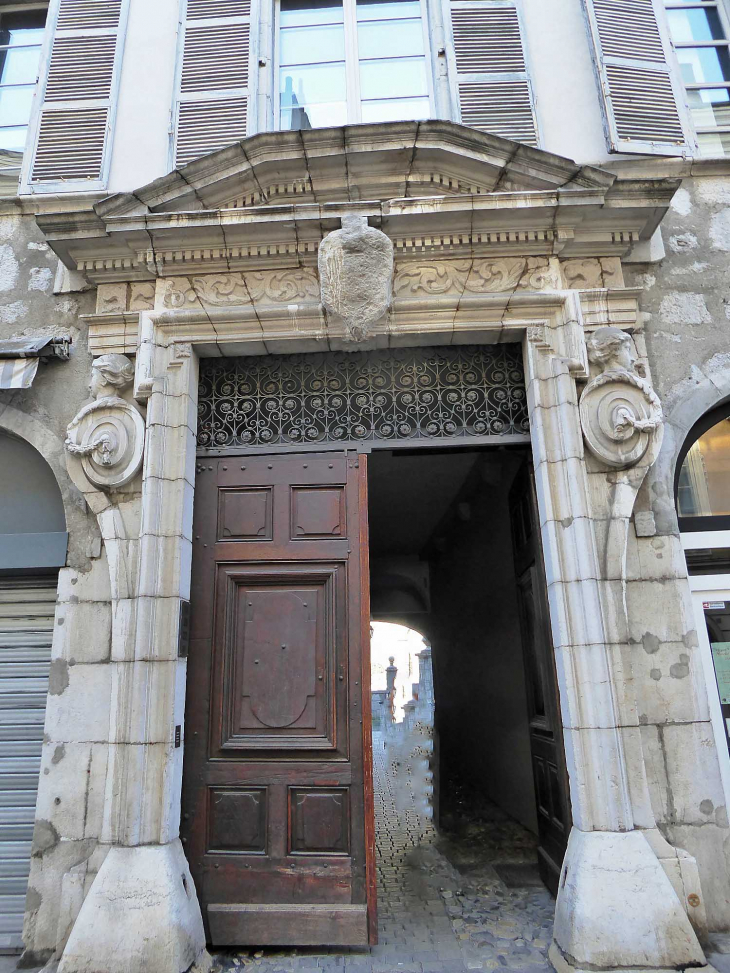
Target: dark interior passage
x=442, y=563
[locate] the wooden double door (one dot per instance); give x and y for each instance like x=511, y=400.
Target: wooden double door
x=277, y=786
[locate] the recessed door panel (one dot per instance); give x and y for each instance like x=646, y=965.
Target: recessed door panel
x=245, y=514
x=320, y=821
x=237, y=819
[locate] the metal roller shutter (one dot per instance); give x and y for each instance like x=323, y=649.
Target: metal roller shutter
x=26, y=627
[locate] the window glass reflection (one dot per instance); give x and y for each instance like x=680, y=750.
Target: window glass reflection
x=695, y=25
x=21, y=36
x=312, y=78
x=704, y=480
x=393, y=82
x=709, y=106
x=704, y=65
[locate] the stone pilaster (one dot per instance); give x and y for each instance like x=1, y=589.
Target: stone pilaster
x=141, y=912
x=616, y=907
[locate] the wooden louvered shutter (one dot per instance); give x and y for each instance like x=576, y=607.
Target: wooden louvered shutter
x=488, y=61
x=642, y=95
x=78, y=91
x=213, y=90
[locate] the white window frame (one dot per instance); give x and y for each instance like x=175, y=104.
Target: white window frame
x=710, y=587
x=724, y=15
x=352, y=63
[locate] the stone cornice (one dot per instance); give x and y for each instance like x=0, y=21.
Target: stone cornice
x=575, y=222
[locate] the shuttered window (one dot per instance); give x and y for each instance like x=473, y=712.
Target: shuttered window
x=494, y=89
x=640, y=87
x=79, y=83
x=215, y=68
x=26, y=629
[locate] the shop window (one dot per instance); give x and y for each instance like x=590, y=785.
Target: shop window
x=703, y=484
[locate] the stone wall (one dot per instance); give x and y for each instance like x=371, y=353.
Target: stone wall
x=73, y=765
x=687, y=294
x=686, y=299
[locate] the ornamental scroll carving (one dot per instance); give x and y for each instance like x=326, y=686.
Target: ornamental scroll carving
x=223, y=290
x=107, y=435
x=475, y=276
x=356, y=275
x=620, y=412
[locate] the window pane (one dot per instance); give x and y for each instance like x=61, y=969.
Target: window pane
x=15, y=105
x=12, y=139
x=305, y=13
x=714, y=144
x=312, y=45
x=19, y=65
x=313, y=85
x=705, y=475
x=709, y=106
x=704, y=64
x=388, y=9
x=396, y=110
x=399, y=77
x=383, y=38
x=313, y=116
x=695, y=25
x=22, y=27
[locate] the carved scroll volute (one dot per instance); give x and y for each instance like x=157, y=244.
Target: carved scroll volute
x=356, y=275
x=620, y=414
x=107, y=435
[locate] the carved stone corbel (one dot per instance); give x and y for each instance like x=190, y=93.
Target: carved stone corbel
x=620, y=413
x=356, y=275
x=107, y=435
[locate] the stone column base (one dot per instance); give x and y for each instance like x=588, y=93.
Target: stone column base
x=141, y=915
x=617, y=910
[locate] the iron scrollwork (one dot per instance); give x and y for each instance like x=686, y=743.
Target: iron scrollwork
x=409, y=393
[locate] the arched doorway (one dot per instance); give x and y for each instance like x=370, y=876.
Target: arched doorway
x=33, y=542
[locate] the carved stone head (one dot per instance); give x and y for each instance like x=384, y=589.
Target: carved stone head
x=611, y=350
x=110, y=373
x=356, y=275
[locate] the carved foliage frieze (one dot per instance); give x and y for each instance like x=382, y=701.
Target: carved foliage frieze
x=223, y=290
x=426, y=277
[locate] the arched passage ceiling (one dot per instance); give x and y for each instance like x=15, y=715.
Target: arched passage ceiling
x=273, y=196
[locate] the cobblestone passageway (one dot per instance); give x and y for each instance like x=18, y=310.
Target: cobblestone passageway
x=465, y=898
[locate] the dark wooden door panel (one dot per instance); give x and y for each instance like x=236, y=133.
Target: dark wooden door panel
x=277, y=792
x=543, y=705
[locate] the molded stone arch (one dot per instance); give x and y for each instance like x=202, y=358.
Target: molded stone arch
x=708, y=392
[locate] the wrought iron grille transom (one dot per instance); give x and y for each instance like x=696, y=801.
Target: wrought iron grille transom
x=399, y=394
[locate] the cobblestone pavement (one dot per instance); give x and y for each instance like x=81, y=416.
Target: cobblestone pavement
x=442, y=906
